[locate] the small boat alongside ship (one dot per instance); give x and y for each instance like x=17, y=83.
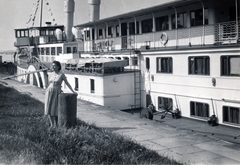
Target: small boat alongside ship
x=180, y=55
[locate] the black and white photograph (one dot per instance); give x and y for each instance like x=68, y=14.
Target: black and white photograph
x=120, y=82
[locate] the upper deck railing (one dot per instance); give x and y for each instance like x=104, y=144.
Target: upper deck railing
x=221, y=33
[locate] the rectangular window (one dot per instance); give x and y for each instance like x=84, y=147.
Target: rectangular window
x=134, y=61
x=117, y=31
x=87, y=35
x=147, y=26
x=26, y=33
x=59, y=50
x=230, y=65
x=100, y=34
x=197, y=17
x=22, y=33
x=42, y=32
x=165, y=103
x=199, y=109
x=161, y=23
x=93, y=34
x=199, y=65
x=181, y=20
x=53, y=51
x=147, y=63
x=18, y=34
x=69, y=50
x=132, y=28
x=74, y=49
x=110, y=31
x=164, y=65
x=49, y=32
x=76, y=84
x=92, y=86
x=231, y=114
x=47, y=51
x=42, y=51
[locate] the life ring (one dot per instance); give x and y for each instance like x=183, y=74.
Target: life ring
x=164, y=38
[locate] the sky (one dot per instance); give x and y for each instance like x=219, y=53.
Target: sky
x=16, y=14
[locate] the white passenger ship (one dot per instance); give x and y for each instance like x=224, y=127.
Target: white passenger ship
x=181, y=54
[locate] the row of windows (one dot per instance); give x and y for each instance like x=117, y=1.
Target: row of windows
x=25, y=32
x=52, y=50
x=198, y=109
x=161, y=23
x=92, y=85
x=199, y=65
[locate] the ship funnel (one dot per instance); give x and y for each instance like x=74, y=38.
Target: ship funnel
x=94, y=10
x=69, y=6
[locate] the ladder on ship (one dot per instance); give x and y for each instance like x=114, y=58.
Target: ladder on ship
x=137, y=80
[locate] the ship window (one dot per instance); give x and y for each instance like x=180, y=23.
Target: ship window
x=49, y=32
x=22, y=33
x=161, y=23
x=230, y=65
x=69, y=50
x=47, y=51
x=74, y=49
x=132, y=28
x=134, y=61
x=147, y=26
x=92, y=86
x=147, y=63
x=76, y=84
x=165, y=103
x=87, y=35
x=100, y=34
x=42, y=32
x=117, y=31
x=197, y=17
x=164, y=65
x=59, y=50
x=110, y=31
x=18, y=34
x=42, y=51
x=199, y=65
x=231, y=114
x=26, y=33
x=53, y=51
x=199, y=109
x=181, y=20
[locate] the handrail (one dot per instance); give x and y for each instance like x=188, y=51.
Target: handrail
x=220, y=33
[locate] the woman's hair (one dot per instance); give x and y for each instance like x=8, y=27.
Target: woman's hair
x=58, y=64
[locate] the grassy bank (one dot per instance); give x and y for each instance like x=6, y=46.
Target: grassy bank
x=25, y=138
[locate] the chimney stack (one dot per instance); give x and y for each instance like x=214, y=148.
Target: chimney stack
x=94, y=10
x=69, y=6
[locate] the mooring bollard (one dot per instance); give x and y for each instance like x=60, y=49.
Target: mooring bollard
x=67, y=109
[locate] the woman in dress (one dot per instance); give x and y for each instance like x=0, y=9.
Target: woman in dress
x=52, y=91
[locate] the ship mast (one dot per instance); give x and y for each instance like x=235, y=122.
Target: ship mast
x=41, y=13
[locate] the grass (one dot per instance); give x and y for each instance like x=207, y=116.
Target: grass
x=25, y=138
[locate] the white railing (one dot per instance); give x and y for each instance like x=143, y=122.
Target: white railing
x=201, y=35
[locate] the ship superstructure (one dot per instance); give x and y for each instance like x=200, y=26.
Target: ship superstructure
x=182, y=55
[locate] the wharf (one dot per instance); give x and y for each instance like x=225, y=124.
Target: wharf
x=185, y=140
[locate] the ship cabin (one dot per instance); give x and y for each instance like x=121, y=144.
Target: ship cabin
x=170, y=25
x=46, y=42
x=186, y=51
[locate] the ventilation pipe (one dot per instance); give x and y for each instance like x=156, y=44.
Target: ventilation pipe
x=69, y=11
x=94, y=10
